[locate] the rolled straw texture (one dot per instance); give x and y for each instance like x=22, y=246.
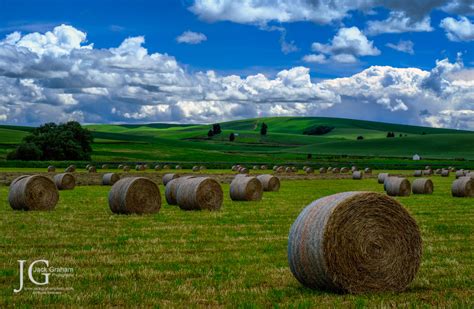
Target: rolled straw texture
x=422, y=186
x=137, y=195
x=418, y=173
x=357, y=175
x=463, y=187
x=168, y=177
x=246, y=189
x=381, y=177
x=200, y=193
x=269, y=182
x=64, y=181
x=355, y=242
x=110, y=179
x=33, y=193
x=397, y=186
x=172, y=189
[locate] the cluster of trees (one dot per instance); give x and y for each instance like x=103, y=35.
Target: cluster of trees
x=65, y=141
x=390, y=134
x=216, y=129
x=318, y=130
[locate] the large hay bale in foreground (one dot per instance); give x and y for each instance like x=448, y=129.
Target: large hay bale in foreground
x=356, y=242
x=172, y=189
x=422, y=186
x=246, y=189
x=168, y=177
x=64, y=181
x=33, y=193
x=381, y=177
x=269, y=182
x=200, y=193
x=470, y=175
x=357, y=175
x=110, y=179
x=51, y=169
x=418, y=173
x=463, y=187
x=397, y=186
x=137, y=195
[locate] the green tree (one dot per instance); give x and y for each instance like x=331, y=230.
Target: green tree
x=263, y=129
x=232, y=137
x=65, y=141
x=210, y=133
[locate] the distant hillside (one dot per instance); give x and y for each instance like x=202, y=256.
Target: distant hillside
x=285, y=141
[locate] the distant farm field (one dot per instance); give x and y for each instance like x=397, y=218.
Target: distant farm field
x=233, y=257
x=284, y=142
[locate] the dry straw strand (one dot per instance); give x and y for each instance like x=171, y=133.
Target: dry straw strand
x=246, y=189
x=137, y=195
x=269, y=182
x=33, y=193
x=355, y=242
x=65, y=181
x=200, y=193
x=422, y=186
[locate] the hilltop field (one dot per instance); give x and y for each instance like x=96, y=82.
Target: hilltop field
x=285, y=142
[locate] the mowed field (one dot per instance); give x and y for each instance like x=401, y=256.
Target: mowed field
x=234, y=257
x=285, y=141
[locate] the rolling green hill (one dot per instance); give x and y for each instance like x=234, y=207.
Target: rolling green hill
x=285, y=141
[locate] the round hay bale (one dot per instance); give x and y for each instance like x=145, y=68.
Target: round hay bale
x=445, y=173
x=355, y=242
x=309, y=170
x=195, y=168
x=246, y=189
x=381, y=177
x=166, y=167
x=145, y=166
x=157, y=167
x=263, y=167
x=255, y=167
x=422, y=186
x=418, y=173
x=234, y=168
x=168, y=177
x=344, y=170
x=139, y=167
x=428, y=172
x=200, y=193
x=202, y=168
x=460, y=173
x=269, y=182
x=138, y=195
x=64, y=181
x=105, y=167
x=243, y=170
x=51, y=169
x=33, y=193
x=92, y=169
x=110, y=179
x=397, y=186
x=126, y=168
x=120, y=166
x=357, y=175
x=172, y=189
x=336, y=170
x=70, y=169
x=438, y=171
x=87, y=166
x=463, y=187
x=294, y=169
x=275, y=167
x=354, y=168
x=288, y=169
x=329, y=169
x=470, y=175
x=323, y=170
x=178, y=167
x=280, y=169
x=427, y=167
x=368, y=170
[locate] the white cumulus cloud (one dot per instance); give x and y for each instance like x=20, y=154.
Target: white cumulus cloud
x=458, y=30
x=398, y=22
x=402, y=46
x=190, y=37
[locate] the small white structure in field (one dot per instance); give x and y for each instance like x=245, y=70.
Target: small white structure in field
x=416, y=157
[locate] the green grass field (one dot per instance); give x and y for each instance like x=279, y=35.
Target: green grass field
x=233, y=257
x=285, y=141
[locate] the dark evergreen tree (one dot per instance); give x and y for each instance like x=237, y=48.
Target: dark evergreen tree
x=210, y=133
x=263, y=129
x=232, y=137
x=216, y=129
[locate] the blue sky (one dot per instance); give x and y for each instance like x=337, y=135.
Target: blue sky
x=307, y=52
